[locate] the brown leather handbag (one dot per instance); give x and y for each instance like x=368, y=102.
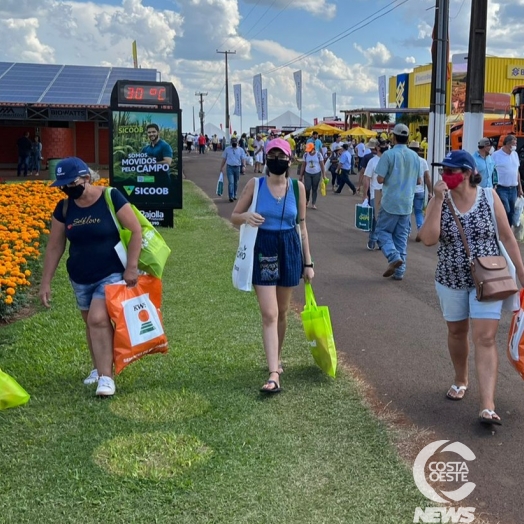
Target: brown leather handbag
x=491, y=275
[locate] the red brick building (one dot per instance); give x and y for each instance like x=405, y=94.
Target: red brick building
x=67, y=106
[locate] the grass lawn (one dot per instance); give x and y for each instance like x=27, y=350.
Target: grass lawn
x=188, y=438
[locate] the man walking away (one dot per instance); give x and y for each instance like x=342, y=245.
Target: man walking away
x=507, y=164
x=399, y=171
x=420, y=190
x=344, y=163
x=24, y=152
x=235, y=159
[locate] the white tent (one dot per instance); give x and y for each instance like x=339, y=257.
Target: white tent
x=211, y=129
x=288, y=120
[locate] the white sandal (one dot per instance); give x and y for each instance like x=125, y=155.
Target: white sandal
x=489, y=420
x=457, y=390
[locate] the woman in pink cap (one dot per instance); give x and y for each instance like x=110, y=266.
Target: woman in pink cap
x=279, y=258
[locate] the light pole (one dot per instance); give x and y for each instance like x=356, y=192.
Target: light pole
x=227, y=91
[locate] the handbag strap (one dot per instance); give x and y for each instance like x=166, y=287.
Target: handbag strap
x=449, y=202
x=111, y=207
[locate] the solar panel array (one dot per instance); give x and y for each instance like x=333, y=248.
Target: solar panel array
x=64, y=84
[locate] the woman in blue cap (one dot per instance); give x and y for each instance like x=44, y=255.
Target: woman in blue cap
x=475, y=208
x=84, y=219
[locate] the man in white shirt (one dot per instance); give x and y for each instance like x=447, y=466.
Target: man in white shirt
x=361, y=151
x=507, y=165
x=375, y=191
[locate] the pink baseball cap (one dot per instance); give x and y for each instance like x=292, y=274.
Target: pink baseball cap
x=279, y=143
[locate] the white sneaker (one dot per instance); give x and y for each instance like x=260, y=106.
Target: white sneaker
x=91, y=378
x=106, y=386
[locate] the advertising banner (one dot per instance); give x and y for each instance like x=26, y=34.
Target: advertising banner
x=264, y=105
x=297, y=75
x=334, y=101
x=382, y=91
x=237, y=94
x=146, y=158
x=257, y=92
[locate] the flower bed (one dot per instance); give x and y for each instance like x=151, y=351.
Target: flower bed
x=25, y=218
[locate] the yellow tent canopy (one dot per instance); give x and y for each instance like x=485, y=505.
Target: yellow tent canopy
x=359, y=131
x=322, y=129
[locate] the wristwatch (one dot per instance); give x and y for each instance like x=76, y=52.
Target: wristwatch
x=309, y=265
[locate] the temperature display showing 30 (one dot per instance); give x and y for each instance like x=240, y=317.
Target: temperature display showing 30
x=144, y=94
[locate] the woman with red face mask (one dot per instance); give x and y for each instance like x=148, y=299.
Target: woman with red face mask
x=473, y=207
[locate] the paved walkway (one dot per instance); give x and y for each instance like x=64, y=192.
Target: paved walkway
x=394, y=334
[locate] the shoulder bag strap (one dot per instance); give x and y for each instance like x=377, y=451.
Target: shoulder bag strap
x=111, y=207
x=459, y=226
x=294, y=181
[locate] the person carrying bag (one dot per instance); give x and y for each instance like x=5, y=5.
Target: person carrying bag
x=471, y=226
x=279, y=258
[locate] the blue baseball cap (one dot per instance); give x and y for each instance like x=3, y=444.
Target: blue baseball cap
x=458, y=159
x=68, y=170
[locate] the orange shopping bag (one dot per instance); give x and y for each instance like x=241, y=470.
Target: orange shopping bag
x=135, y=312
x=515, y=350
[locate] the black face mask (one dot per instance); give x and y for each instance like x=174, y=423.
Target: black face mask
x=74, y=192
x=234, y=144
x=277, y=166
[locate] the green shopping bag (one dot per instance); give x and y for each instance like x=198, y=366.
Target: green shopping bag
x=319, y=333
x=154, y=253
x=12, y=394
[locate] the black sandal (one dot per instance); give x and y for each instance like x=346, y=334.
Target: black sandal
x=275, y=389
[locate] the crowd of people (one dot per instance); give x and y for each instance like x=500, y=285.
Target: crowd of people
x=393, y=178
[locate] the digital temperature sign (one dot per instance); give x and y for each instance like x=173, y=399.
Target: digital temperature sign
x=144, y=94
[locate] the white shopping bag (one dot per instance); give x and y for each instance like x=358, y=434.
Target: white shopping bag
x=250, y=160
x=243, y=266
x=142, y=320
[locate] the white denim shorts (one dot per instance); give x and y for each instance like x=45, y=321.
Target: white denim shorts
x=460, y=304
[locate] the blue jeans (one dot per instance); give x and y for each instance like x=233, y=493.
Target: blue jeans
x=418, y=207
x=372, y=231
x=233, y=174
x=85, y=293
x=344, y=179
x=392, y=235
x=23, y=162
x=508, y=195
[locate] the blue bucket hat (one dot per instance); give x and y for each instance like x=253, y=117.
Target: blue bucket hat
x=68, y=170
x=458, y=159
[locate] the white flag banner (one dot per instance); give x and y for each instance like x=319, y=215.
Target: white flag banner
x=237, y=93
x=297, y=75
x=264, y=105
x=257, y=92
x=334, y=100
x=382, y=91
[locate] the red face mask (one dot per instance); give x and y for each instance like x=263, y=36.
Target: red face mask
x=452, y=180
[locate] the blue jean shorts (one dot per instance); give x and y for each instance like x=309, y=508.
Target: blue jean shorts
x=84, y=293
x=460, y=304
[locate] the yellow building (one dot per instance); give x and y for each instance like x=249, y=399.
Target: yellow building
x=413, y=90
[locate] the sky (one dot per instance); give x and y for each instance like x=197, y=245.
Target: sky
x=341, y=46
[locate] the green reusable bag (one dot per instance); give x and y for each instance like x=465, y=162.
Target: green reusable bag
x=319, y=333
x=12, y=394
x=154, y=253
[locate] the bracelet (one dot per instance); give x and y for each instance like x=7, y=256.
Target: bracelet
x=309, y=265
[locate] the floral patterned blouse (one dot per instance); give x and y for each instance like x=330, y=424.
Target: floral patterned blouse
x=453, y=269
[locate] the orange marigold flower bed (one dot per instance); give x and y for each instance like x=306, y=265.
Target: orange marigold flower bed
x=25, y=216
